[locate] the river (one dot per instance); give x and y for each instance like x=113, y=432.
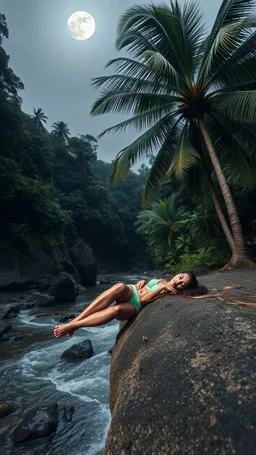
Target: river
x=32, y=374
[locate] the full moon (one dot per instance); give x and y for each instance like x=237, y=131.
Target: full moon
x=81, y=25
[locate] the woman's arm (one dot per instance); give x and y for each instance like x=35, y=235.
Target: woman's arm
x=150, y=296
x=141, y=284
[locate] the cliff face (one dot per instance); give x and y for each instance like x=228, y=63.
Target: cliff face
x=182, y=378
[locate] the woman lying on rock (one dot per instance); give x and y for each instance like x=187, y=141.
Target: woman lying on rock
x=130, y=300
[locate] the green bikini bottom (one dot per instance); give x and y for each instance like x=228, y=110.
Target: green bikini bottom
x=135, y=300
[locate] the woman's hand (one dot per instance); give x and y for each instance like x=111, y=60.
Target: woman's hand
x=140, y=284
x=169, y=288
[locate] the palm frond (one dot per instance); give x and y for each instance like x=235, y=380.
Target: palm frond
x=150, y=141
x=133, y=68
x=185, y=156
x=127, y=102
x=230, y=11
x=228, y=40
x=163, y=70
x=128, y=84
x=237, y=106
x=161, y=26
x=238, y=67
x=161, y=222
x=165, y=82
x=158, y=171
x=140, y=121
x=245, y=86
x=190, y=29
x=233, y=146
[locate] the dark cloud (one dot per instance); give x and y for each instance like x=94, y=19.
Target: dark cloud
x=57, y=69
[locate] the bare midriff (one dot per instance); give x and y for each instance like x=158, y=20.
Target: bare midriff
x=141, y=292
x=126, y=295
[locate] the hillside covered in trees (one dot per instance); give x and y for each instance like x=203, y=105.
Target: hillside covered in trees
x=54, y=189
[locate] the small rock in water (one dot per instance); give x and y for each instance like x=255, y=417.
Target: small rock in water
x=80, y=351
x=68, y=413
x=37, y=423
x=5, y=409
x=66, y=318
x=12, y=315
x=5, y=337
x=11, y=312
x=42, y=300
x=27, y=306
x=104, y=281
x=80, y=289
x=32, y=286
x=5, y=331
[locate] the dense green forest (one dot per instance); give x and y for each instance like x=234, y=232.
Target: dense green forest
x=54, y=189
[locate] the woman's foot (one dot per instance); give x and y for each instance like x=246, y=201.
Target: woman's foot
x=62, y=330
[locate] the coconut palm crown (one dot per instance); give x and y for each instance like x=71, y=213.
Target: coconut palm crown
x=180, y=83
x=61, y=131
x=39, y=117
x=162, y=222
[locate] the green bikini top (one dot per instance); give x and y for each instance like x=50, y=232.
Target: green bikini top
x=152, y=285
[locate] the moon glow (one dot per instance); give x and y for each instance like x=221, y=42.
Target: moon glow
x=81, y=25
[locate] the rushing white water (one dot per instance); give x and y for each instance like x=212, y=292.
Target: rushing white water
x=34, y=375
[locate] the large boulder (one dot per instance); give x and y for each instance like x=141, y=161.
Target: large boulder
x=80, y=351
x=38, y=268
x=39, y=299
x=20, y=273
x=85, y=263
x=67, y=266
x=182, y=378
x=64, y=288
x=11, y=275
x=37, y=423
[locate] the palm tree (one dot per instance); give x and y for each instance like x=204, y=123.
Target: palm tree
x=61, y=131
x=161, y=223
x=180, y=82
x=39, y=117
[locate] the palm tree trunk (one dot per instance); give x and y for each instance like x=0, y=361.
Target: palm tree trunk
x=220, y=213
x=239, y=254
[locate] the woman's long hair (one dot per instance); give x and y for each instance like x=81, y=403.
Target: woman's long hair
x=197, y=290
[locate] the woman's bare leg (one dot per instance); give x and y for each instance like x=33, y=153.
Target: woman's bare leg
x=119, y=290
x=121, y=312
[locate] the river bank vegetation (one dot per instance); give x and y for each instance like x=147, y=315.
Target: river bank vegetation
x=55, y=189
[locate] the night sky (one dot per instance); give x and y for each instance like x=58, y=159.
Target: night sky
x=57, y=69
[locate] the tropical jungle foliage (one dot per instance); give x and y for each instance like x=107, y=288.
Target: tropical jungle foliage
x=195, y=94
x=54, y=189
